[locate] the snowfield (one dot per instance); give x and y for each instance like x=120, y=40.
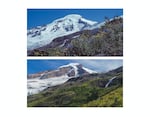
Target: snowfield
x=43, y=35
x=37, y=85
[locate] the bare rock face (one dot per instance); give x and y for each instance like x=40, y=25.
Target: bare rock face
x=37, y=75
x=30, y=76
x=69, y=71
x=58, y=73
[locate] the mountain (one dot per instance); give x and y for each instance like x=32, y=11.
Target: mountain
x=43, y=35
x=42, y=80
x=90, y=90
x=93, y=39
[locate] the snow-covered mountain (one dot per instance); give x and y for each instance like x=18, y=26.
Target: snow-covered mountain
x=43, y=35
x=40, y=81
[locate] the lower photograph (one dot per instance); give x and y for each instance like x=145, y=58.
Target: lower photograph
x=75, y=83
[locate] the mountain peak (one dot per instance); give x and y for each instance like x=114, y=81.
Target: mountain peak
x=70, y=64
x=77, y=16
x=40, y=81
x=43, y=35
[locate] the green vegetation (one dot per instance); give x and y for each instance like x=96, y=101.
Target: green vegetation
x=86, y=91
x=112, y=99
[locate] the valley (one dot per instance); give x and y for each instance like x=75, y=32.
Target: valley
x=84, y=90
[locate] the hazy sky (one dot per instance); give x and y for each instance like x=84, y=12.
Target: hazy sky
x=34, y=66
x=36, y=17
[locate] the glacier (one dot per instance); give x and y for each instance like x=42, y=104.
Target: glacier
x=38, y=84
x=43, y=35
x=72, y=23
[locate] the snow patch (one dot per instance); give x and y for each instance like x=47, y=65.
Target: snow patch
x=62, y=45
x=89, y=70
x=70, y=64
x=76, y=36
x=88, y=21
x=74, y=66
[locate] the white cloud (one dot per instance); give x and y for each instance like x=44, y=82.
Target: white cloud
x=101, y=65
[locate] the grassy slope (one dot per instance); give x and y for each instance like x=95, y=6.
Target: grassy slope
x=87, y=93
x=112, y=99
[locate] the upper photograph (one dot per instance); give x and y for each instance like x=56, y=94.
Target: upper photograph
x=75, y=32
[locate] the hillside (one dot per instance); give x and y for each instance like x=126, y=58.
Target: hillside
x=106, y=39
x=91, y=90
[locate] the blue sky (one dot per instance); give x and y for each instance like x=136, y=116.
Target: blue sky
x=36, y=17
x=34, y=66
